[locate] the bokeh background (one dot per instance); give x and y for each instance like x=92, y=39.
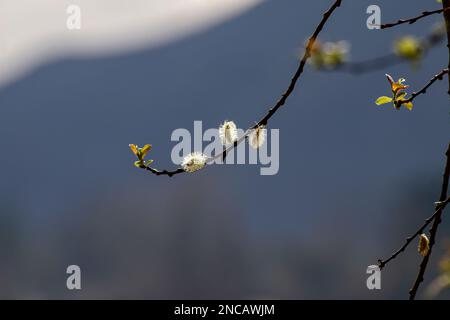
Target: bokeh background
x=355, y=179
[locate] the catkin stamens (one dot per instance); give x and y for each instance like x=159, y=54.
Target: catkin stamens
x=257, y=137
x=228, y=133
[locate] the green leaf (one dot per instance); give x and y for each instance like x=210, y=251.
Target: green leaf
x=138, y=164
x=383, y=100
x=144, y=150
x=134, y=148
x=148, y=162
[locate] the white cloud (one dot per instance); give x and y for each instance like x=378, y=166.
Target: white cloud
x=35, y=31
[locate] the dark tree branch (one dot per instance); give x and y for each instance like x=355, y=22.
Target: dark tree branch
x=434, y=228
x=438, y=76
x=443, y=199
x=163, y=172
x=301, y=67
x=414, y=19
x=278, y=104
x=439, y=207
x=446, y=4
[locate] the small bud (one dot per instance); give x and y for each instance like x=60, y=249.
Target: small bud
x=330, y=54
x=140, y=153
x=336, y=53
x=408, y=48
x=228, y=133
x=424, y=245
x=193, y=162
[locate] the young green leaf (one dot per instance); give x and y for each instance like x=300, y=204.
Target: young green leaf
x=383, y=100
x=138, y=164
x=145, y=149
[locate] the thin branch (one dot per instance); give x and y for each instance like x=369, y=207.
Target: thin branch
x=438, y=206
x=163, y=172
x=278, y=104
x=446, y=4
x=433, y=230
x=387, y=60
x=301, y=67
x=414, y=19
x=438, y=76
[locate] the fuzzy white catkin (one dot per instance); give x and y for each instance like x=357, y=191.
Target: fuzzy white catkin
x=193, y=162
x=228, y=133
x=257, y=137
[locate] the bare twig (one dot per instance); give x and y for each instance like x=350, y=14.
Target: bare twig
x=163, y=172
x=433, y=230
x=278, y=104
x=438, y=76
x=439, y=207
x=446, y=4
x=414, y=19
x=384, y=61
